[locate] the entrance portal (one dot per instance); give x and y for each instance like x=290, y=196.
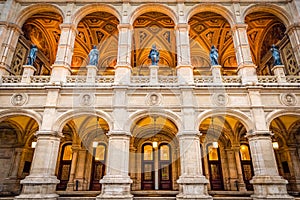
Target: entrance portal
x=156, y=167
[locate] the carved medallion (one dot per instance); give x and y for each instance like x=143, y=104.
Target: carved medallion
x=153, y=99
x=86, y=99
x=19, y=99
x=220, y=99
x=288, y=99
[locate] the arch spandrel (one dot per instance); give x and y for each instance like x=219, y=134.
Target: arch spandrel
x=29, y=11
x=279, y=113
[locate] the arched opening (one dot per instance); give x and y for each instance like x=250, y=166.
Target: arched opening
x=17, y=143
x=264, y=30
x=208, y=29
x=42, y=30
x=82, y=156
x=227, y=162
x=99, y=29
x=154, y=154
x=286, y=143
x=149, y=29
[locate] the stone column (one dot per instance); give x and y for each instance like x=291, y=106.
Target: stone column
x=294, y=161
x=16, y=165
x=81, y=164
x=75, y=150
x=116, y=182
x=246, y=68
x=184, y=67
x=241, y=183
x=216, y=73
x=41, y=183
x=133, y=166
x=28, y=71
x=266, y=181
x=294, y=35
x=192, y=182
x=62, y=66
x=7, y=50
x=278, y=71
x=206, y=167
x=91, y=73
x=123, y=67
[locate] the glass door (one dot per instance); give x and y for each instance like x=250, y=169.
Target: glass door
x=148, y=180
x=247, y=167
x=98, y=166
x=165, y=169
x=64, y=167
x=215, y=169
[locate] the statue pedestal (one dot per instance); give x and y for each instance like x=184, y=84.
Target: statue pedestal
x=216, y=73
x=153, y=74
x=278, y=71
x=91, y=73
x=28, y=71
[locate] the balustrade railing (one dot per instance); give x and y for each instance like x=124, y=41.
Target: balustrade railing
x=203, y=79
x=162, y=80
x=11, y=79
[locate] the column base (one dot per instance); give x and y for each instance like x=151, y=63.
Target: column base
x=248, y=74
x=115, y=187
x=192, y=188
x=38, y=188
x=59, y=73
x=185, y=74
x=270, y=187
x=9, y=187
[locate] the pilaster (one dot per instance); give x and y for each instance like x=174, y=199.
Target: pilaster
x=184, y=67
x=246, y=68
x=62, y=66
x=123, y=67
x=294, y=35
x=116, y=183
x=41, y=183
x=193, y=185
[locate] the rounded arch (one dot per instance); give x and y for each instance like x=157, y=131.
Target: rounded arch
x=173, y=117
x=37, y=8
x=221, y=10
x=91, y=8
x=242, y=117
x=28, y=113
x=152, y=8
x=278, y=113
x=62, y=120
x=272, y=9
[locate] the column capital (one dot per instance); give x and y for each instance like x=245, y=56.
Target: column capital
x=68, y=26
x=182, y=26
x=118, y=133
x=292, y=27
x=239, y=26
x=125, y=26
x=258, y=134
x=48, y=134
x=190, y=133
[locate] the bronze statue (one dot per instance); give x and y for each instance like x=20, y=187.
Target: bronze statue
x=276, y=55
x=93, y=56
x=154, y=55
x=32, y=55
x=214, y=55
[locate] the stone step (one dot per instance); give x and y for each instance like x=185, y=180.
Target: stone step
x=76, y=198
x=154, y=198
x=232, y=198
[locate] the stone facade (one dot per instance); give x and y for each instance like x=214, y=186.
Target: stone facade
x=125, y=126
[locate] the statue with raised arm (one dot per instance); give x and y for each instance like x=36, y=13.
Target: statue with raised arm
x=154, y=55
x=93, y=56
x=214, y=55
x=276, y=55
x=32, y=55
